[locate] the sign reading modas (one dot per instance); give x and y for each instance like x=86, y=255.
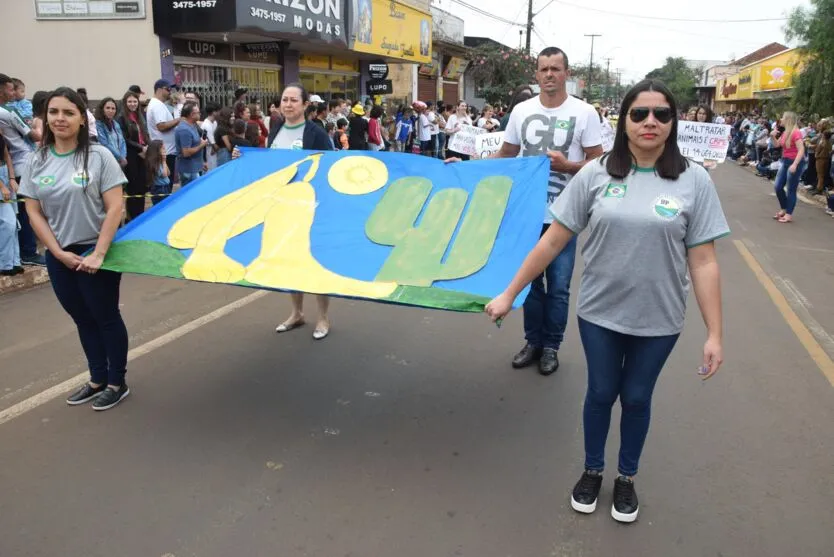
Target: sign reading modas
x=317, y=20
x=388, y=28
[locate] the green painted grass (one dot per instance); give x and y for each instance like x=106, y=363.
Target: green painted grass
x=438, y=298
x=144, y=257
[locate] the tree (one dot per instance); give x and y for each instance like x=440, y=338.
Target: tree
x=814, y=86
x=497, y=71
x=679, y=78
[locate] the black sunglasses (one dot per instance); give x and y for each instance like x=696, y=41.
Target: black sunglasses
x=662, y=114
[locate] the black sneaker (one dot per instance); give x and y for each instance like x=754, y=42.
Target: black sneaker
x=110, y=398
x=85, y=394
x=527, y=356
x=625, y=505
x=586, y=492
x=549, y=362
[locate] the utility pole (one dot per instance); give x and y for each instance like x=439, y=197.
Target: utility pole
x=619, y=87
x=607, y=78
x=591, y=68
x=529, y=24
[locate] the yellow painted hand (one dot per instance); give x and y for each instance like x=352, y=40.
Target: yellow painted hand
x=212, y=266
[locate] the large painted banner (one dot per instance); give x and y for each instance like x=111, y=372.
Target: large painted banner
x=389, y=227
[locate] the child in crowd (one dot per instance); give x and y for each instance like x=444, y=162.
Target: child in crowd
x=402, y=133
x=342, y=141
x=157, y=171
x=239, y=138
x=9, y=248
x=253, y=133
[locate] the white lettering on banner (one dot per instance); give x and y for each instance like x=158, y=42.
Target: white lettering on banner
x=464, y=141
x=700, y=141
x=331, y=8
x=488, y=144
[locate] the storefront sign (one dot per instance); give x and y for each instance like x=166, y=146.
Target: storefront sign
x=316, y=20
x=317, y=61
x=172, y=17
x=704, y=142
x=244, y=54
x=262, y=47
x=430, y=68
x=90, y=9
x=455, y=68
x=775, y=77
x=201, y=49
x=745, y=85
x=727, y=89
x=378, y=70
x=380, y=87
x=389, y=28
x=343, y=64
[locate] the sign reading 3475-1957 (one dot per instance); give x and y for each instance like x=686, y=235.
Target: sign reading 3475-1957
x=190, y=4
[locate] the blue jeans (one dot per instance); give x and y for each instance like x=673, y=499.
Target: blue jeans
x=627, y=367
x=788, y=202
x=441, y=144
x=9, y=246
x=92, y=301
x=546, y=307
x=188, y=177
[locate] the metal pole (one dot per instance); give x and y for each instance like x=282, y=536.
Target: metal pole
x=529, y=24
x=591, y=68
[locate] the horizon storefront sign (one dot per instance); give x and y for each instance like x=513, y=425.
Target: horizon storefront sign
x=313, y=20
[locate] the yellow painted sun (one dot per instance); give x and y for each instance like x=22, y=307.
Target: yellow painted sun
x=357, y=175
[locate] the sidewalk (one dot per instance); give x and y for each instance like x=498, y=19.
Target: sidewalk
x=32, y=276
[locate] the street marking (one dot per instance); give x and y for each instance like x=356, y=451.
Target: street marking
x=43, y=397
x=815, y=350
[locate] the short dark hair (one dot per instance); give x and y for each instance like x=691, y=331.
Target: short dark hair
x=4, y=79
x=239, y=127
x=211, y=108
x=335, y=103
x=619, y=162
x=552, y=51
x=295, y=85
x=376, y=111
x=341, y=123
x=187, y=109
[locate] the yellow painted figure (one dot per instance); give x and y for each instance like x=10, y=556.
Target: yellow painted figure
x=287, y=211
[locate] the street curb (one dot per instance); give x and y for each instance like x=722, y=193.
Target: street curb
x=817, y=200
x=33, y=276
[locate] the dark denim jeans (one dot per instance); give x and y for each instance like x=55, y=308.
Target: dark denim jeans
x=546, y=307
x=26, y=236
x=627, y=367
x=160, y=192
x=93, y=303
x=784, y=176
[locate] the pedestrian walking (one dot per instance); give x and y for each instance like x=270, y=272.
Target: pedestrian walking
x=653, y=219
x=791, y=169
x=73, y=192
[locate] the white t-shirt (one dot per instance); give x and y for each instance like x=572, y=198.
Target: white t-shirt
x=454, y=121
x=210, y=127
x=432, y=118
x=569, y=128
x=424, y=128
x=159, y=113
x=495, y=123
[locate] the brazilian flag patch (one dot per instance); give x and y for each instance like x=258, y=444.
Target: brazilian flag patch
x=617, y=191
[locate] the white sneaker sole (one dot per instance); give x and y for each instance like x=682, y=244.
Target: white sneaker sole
x=621, y=517
x=580, y=508
x=108, y=407
x=85, y=401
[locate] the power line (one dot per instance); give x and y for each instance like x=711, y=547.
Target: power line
x=487, y=14
x=637, y=16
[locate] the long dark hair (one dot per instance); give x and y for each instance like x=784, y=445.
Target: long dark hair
x=153, y=159
x=99, y=112
x=82, y=152
x=39, y=104
x=620, y=162
x=707, y=110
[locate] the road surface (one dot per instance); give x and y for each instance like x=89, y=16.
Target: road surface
x=407, y=434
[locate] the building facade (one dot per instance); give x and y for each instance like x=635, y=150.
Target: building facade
x=759, y=84
x=214, y=46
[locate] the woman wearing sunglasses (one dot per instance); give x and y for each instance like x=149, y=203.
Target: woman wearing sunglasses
x=651, y=216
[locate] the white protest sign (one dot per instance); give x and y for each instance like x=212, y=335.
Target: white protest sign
x=464, y=141
x=702, y=141
x=488, y=143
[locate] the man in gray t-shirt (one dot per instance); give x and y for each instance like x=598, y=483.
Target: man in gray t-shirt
x=635, y=279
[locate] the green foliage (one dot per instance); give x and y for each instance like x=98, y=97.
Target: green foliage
x=679, y=78
x=499, y=70
x=814, y=86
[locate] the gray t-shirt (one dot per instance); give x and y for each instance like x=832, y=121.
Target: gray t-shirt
x=289, y=138
x=75, y=212
x=635, y=279
x=16, y=133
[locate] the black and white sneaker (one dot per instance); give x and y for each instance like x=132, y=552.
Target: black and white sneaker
x=625, y=505
x=110, y=398
x=586, y=492
x=85, y=394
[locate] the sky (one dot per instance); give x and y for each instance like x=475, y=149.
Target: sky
x=635, y=45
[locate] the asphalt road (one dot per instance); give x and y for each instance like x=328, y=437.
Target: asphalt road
x=406, y=433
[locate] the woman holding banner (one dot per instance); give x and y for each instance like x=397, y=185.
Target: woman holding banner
x=642, y=202
x=453, y=126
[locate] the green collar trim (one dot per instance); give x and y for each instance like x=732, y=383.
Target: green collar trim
x=57, y=154
x=636, y=168
x=289, y=127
